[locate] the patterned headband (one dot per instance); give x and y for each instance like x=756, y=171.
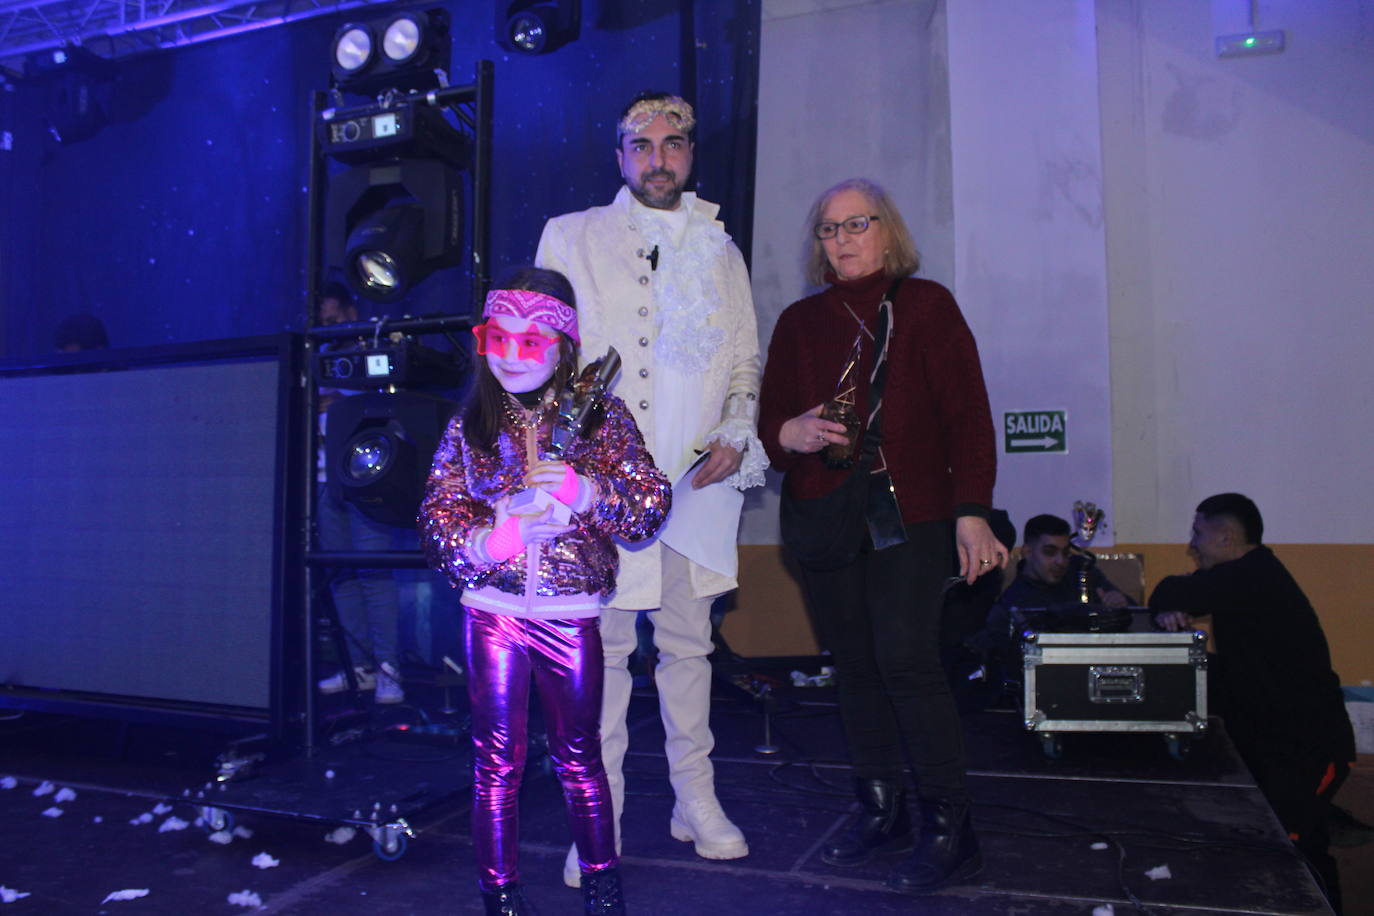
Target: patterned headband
x=675, y=111
x=532, y=306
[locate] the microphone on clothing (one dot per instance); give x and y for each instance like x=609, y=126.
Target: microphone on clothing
x=652, y=257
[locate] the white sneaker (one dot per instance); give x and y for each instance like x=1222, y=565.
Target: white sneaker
x=339, y=683
x=701, y=821
x=389, y=685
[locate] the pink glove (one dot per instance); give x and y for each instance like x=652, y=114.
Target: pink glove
x=504, y=541
x=569, y=489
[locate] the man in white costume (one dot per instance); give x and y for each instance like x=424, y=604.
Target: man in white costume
x=658, y=278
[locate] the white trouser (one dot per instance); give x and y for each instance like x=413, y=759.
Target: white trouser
x=682, y=635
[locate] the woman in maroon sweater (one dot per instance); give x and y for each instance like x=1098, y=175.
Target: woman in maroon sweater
x=879, y=614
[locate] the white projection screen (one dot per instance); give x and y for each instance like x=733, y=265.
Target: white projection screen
x=141, y=536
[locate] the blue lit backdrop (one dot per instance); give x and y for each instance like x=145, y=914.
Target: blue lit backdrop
x=185, y=217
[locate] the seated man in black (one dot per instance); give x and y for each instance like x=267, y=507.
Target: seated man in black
x=1271, y=679
x=1049, y=571
x=1047, y=579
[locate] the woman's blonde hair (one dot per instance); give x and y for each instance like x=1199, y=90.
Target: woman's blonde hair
x=899, y=256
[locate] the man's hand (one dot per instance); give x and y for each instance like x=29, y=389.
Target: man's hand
x=1173, y=621
x=1112, y=598
x=979, y=549
x=722, y=461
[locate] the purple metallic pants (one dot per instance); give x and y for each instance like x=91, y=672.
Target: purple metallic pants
x=564, y=659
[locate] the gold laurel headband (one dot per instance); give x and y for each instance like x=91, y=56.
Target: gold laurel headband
x=675, y=110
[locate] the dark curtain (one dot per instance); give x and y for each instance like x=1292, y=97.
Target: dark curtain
x=721, y=48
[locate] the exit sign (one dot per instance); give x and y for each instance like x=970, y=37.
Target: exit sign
x=1035, y=431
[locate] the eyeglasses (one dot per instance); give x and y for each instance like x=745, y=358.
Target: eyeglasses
x=855, y=225
x=492, y=338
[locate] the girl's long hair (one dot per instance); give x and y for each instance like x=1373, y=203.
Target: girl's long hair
x=486, y=402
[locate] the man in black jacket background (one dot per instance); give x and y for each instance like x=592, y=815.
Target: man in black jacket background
x=1271, y=679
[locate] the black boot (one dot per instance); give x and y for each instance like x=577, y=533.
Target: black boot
x=601, y=892
x=507, y=900
x=883, y=827
x=946, y=852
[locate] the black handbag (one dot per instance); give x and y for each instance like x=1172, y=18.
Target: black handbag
x=827, y=532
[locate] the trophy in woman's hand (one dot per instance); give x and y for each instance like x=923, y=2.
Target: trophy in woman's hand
x=841, y=409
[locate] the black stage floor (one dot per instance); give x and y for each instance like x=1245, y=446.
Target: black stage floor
x=1116, y=822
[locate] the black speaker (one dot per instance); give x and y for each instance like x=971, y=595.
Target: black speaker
x=378, y=449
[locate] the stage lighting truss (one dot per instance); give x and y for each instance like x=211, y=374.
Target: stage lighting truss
x=116, y=29
x=536, y=26
x=403, y=127
x=404, y=52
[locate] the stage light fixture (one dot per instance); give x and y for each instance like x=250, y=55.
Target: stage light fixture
x=77, y=89
x=378, y=447
x=352, y=49
x=384, y=251
x=394, y=223
x=534, y=27
x=528, y=33
x=401, y=52
x=401, y=40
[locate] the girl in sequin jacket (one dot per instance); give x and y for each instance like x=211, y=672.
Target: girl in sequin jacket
x=533, y=568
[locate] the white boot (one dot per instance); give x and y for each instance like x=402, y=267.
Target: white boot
x=702, y=822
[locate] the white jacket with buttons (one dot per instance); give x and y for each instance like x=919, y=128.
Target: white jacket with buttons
x=690, y=371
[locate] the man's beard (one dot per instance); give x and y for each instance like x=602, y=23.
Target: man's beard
x=666, y=199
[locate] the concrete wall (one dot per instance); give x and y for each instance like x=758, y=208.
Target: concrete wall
x=1167, y=241
x=1240, y=216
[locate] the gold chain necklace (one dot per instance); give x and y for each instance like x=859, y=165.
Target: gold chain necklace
x=521, y=420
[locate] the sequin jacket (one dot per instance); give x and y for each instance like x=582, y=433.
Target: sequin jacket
x=632, y=503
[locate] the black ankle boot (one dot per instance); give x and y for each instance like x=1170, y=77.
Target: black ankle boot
x=882, y=827
x=946, y=852
x=507, y=900
x=601, y=892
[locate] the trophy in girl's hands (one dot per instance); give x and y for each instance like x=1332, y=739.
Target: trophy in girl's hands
x=580, y=406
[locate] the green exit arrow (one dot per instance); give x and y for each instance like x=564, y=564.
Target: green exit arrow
x=1035, y=431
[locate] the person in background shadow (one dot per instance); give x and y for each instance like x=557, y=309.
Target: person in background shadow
x=367, y=600
x=1048, y=573
x=78, y=333
x=1271, y=679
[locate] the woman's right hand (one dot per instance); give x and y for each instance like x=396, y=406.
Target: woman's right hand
x=808, y=433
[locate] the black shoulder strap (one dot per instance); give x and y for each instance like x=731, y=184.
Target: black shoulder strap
x=873, y=436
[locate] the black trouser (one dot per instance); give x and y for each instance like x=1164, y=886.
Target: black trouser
x=880, y=619
x=1299, y=785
